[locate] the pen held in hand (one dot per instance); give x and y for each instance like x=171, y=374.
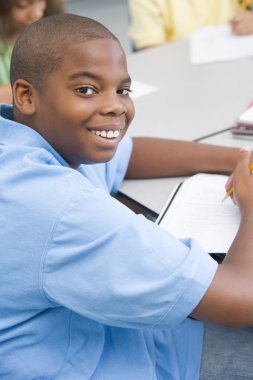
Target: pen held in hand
x=244, y=5
x=231, y=190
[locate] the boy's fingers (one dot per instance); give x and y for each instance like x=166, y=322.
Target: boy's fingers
x=244, y=157
x=243, y=160
x=244, y=148
x=229, y=183
x=242, y=167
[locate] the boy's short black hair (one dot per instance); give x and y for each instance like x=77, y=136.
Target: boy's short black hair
x=40, y=49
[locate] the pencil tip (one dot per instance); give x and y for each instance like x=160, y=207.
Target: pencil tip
x=223, y=199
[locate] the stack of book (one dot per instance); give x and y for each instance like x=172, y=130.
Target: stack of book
x=244, y=124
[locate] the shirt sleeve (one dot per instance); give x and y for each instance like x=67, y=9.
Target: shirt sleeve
x=110, y=265
x=148, y=22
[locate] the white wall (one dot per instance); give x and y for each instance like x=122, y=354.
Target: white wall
x=111, y=13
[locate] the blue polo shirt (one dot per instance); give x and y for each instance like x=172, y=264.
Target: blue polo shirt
x=89, y=290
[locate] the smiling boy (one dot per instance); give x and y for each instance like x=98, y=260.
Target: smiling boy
x=84, y=133
x=89, y=290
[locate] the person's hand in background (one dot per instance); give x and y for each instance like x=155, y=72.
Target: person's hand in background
x=242, y=23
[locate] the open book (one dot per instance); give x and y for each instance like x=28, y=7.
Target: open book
x=195, y=209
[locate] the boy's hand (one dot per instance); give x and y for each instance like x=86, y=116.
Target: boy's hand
x=242, y=23
x=243, y=181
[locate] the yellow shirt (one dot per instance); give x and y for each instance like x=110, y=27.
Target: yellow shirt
x=158, y=21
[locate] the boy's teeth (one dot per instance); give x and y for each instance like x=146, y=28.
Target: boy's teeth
x=116, y=134
x=107, y=134
x=110, y=134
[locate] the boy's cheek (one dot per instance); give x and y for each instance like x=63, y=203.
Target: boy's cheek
x=131, y=112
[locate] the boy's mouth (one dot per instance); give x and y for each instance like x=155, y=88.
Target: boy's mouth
x=111, y=134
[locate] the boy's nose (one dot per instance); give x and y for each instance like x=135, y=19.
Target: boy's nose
x=112, y=104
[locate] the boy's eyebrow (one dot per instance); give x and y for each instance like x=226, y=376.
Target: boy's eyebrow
x=88, y=74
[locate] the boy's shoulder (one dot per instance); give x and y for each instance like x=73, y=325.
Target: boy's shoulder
x=31, y=166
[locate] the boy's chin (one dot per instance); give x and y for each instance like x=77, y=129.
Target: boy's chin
x=98, y=161
x=91, y=161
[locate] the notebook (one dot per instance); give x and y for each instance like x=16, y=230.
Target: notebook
x=244, y=124
x=246, y=117
x=195, y=209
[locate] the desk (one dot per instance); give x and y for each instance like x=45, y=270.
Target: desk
x=142, y=191
x=151, y=193
x=193, y=100
x=226, y=139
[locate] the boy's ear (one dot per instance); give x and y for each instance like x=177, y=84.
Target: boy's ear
x=24, y=97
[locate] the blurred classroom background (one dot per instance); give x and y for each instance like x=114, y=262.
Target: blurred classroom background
x=111, y=13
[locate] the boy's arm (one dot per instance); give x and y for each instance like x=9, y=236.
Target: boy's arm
x=229, y=299
x=152, y=158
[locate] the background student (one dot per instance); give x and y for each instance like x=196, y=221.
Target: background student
x=154, y=22
x=15, y=15
x=89, y=290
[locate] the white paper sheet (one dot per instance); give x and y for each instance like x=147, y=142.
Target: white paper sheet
x=219, y=43
x=197, y=211
x=141, y=89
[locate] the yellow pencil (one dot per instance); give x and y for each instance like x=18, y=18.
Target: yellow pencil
x=244, y=4
x=231, y=190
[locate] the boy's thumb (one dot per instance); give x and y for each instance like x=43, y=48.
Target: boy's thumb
x=244, y=153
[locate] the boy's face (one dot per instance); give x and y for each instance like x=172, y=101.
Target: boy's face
x=85, y=109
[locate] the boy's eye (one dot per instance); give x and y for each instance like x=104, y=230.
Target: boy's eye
x=124, y=91
x=85, y=90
